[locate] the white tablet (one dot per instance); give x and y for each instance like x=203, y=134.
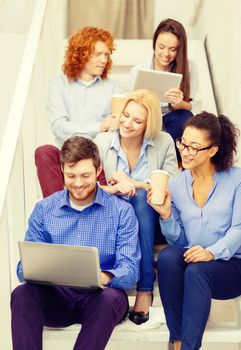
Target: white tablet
x=157, y=81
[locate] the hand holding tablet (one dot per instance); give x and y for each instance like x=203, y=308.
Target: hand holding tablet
x=174, y=96
x=157, y=81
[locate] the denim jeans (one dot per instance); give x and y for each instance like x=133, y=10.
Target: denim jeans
x=173, y=123
x=148, y=228
x=186, y=290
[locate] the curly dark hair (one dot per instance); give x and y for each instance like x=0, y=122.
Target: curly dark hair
x=222, y=133
x=81, y=46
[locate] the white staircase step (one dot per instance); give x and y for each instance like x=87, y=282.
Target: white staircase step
x=152, y=335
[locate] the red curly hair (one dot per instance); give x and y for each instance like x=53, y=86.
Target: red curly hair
x=80, y=47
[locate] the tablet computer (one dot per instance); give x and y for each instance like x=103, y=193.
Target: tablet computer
x=157, y=81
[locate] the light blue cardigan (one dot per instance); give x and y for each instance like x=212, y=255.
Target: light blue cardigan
x=161, y=156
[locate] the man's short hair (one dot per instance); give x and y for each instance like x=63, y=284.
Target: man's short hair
x=81, y=46
x=79, y=148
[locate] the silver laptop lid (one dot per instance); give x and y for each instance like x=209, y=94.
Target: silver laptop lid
x=57, y=264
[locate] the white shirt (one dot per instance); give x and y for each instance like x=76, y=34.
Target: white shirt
x=75, y=108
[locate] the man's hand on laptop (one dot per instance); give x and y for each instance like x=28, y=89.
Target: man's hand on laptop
x=105, y=277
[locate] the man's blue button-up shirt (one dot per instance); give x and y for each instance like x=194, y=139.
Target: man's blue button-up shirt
x=109, y=224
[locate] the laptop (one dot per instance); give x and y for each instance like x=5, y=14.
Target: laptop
x=157, y=81
x=63, y=265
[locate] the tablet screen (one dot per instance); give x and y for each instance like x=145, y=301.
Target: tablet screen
x=157, y=81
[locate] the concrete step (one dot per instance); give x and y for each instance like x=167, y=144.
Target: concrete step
x=223, y=330
x=218, y=336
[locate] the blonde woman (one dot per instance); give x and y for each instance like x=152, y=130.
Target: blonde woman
x=129, y=152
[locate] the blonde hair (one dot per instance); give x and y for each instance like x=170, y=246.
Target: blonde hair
x=151, y=103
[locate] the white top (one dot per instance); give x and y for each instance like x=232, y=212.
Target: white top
x=75, y=108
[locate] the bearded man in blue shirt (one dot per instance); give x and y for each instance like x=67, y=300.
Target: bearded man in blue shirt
x=109, y=223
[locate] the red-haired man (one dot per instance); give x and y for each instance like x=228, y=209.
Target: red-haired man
x=79, y=100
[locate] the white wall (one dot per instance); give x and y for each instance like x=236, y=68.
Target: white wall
x=183, y=11
x=16, y=15
x=220, y=22
x=15, y=19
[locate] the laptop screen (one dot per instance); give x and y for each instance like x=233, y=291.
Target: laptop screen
x=57, y=264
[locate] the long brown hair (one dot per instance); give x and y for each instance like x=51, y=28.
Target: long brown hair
x=180, y=65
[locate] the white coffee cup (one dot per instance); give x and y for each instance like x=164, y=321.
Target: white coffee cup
x=159, y=180
x=117, y=103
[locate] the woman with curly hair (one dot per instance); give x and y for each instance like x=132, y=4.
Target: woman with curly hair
x=79, y=100
x=201, y=219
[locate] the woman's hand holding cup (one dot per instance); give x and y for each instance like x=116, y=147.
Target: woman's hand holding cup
x=158, y=196
x=164, y=210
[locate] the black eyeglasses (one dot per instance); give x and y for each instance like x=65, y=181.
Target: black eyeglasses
x=193, y=151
